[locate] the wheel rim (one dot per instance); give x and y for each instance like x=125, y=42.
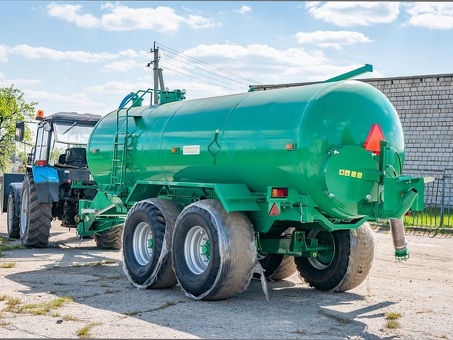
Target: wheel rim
x=9, y=221
x=143, y=243
x=24, y=212
x=324, y=257
x=197, y=250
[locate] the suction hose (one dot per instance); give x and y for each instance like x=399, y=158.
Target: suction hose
x=399, y=239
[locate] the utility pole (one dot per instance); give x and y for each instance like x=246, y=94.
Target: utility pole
x=157, y=73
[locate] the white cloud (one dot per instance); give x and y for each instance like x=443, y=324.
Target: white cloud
x=244, y=9
x=266, y=64
x=124, y=65
x=77, y=102
x=71, y=13
x=431, y=15
x=30, y=52
x=3, y=53
x=354, y=13
x=331, y=39
x=123, y=18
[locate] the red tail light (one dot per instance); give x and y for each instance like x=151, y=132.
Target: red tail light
x=41, y=163
x=279, y=192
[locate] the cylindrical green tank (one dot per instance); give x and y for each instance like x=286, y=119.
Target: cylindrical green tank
x=307, y=138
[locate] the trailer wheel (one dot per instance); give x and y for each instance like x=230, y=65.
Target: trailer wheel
x=345, y=265
x=12, y=223
x=276, y=267
x=147, y=243
x=35, y=217
x=109, y=239
x=213, y=251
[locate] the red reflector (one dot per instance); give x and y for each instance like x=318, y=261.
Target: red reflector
x=41, y=162
x=290, y=146
x=374, y=137
x=279, y=192
x=274, y=210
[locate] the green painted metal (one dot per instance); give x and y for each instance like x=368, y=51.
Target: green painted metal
x=348, y=75
x=309, y=139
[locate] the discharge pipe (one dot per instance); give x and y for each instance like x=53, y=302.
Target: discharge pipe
x=399, y=239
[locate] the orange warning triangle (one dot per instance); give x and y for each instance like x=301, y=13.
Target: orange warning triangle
x=274, y=210
x=373, y=139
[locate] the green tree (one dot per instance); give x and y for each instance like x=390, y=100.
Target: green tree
x=13, y=108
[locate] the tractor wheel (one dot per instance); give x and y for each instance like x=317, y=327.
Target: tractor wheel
x=344, y=265
x=109, y=239
x=35, y=217
x=12, y=223
x=213, y=251
x=276, y=267
x=147, y=243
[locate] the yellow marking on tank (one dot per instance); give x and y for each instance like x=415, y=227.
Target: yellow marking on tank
x=350, y=173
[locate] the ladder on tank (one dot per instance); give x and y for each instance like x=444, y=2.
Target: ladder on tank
x=121, y=143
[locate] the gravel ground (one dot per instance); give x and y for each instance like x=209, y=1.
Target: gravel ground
x=103, y=304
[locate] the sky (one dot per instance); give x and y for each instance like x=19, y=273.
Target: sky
x=86, y=56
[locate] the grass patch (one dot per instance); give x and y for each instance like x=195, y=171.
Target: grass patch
x=135, y=312
x=430, y=217
x=166, y=305
x=392, y=316
x=70, y=318
x=392, y=324
x=84, y=332
x=392, y=320
x=15, y=305
x=424, y=311
x=5, y=246
x=7, y=265
x=109, y=261
x=45, y=307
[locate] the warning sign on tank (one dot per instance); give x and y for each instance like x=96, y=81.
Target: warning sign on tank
x=191, y=150
x=350, y=173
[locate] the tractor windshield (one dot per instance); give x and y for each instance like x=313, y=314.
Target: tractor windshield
x=74, y=133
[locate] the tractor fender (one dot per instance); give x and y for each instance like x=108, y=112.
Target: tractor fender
x=47, y=183
x=17, y=191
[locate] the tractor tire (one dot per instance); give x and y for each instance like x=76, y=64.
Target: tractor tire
x=12, y=223
x=214, y=253
x=109, y=239
x=147, y=243
x=276, y=267
x=35, y=217
x=345, y=265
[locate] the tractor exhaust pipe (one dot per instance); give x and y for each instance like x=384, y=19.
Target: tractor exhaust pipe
x=399, y=239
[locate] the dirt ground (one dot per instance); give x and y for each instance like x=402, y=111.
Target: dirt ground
x=418, y=293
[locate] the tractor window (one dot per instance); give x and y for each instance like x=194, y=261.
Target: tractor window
x=72, y=133
x=42, y=143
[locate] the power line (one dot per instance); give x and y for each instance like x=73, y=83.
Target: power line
x=206, y=65
x=187, y=75
x=205, y=76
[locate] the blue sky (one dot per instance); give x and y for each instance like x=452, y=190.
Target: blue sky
x=85, y=56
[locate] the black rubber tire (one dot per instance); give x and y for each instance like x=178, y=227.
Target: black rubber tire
x=276, y=267
x=12, y=222
x=35, y=217
x=109, y=239
x=231, y=257
x=351, y=263
x=152, y=270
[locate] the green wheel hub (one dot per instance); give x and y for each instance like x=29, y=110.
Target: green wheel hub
x=325, y=256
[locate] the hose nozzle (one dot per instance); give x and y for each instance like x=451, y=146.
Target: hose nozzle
x=399, y=239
